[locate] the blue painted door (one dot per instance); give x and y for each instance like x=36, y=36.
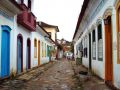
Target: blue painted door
x=19, y=56
x=49, y=49
x=5, y=54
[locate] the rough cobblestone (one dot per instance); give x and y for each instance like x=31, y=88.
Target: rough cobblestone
x=89, y=81
x=59, y=75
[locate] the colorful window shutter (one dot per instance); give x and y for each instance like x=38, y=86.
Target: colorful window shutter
x=35, y=48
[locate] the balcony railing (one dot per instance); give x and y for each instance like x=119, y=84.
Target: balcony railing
x=28, y=20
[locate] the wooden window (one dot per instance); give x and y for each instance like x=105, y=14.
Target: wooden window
x=93, y=35
x=93, y=45
x=99, y=31
x=42, y=49
x=100, y=43
x=35, y=48
x=45, y=49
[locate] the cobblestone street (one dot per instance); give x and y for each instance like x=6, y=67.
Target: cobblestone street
x=58, y=75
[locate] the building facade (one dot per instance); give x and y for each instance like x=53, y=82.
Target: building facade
x=51, y=29
x=23, y=42
x=97, y=33
x=7, y=16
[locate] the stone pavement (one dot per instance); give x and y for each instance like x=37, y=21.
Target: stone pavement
x=89, y=81
x=59, y=75
x=18, y=82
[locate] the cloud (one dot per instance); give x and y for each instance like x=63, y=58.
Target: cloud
x=63, y=13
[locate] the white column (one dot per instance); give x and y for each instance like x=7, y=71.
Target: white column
x=103, y=37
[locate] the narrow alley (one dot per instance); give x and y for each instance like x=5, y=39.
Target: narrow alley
x=57, y=75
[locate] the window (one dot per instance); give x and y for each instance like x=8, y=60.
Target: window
x=85, y=46
x=26, y=2
x=93, y=35
x=45, y=49
x=29, y=4
x=99, y=31
x=35, y=48
x=93, y=45
x=100, y=43
x=42, y=50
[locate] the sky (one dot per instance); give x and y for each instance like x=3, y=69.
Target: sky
x=61, y=13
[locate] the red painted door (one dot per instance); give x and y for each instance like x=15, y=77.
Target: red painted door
x=108, y=41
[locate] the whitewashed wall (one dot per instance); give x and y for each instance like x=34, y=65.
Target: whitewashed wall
x=99, y=66
x=25, y=34
x=10, y=22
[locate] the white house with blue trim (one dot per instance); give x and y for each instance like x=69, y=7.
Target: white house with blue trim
x=24, y=44
x=7, y=22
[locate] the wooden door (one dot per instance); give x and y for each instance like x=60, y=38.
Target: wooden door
x=28, y=54
x=19, y=54
x=5, y=54
x=90, y=61
x=108, y=47
x=38, y=52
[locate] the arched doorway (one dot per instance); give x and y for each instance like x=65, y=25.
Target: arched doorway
x=108, y=50
x=5, y=51
x=19, y=54
x=38, y=52
x=28, y=54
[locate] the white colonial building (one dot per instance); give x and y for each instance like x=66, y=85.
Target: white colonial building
x=97, y=36
x=24, y=44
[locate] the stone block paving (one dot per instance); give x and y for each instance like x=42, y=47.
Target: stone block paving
x=58, y=75
x=89, y=81
x=18, y=83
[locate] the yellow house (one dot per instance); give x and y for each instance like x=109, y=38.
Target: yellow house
x=51, y=29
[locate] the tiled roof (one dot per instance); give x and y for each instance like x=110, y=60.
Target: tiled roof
x=49, y=26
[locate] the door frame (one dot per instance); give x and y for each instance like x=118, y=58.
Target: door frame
x=20, y=36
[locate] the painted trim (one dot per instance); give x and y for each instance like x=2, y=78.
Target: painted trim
x=108, y=12
x=6, y=27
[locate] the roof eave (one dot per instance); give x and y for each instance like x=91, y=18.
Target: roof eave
x=84, y=6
